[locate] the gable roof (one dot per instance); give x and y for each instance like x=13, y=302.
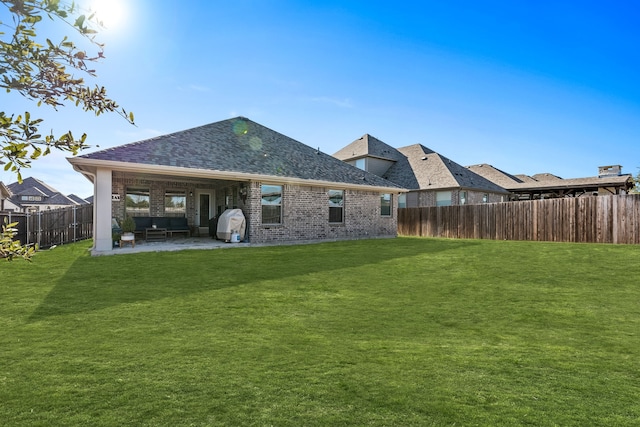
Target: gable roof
x=236, y=148
x=423, y=168
x=34, y=187
x=367, y=146
x=31, y=187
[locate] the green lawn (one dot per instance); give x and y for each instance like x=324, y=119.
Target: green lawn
x=392, y=332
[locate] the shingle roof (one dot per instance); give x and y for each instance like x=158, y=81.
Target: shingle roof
x=28, y=184
x=546, y=181
x=79, y=200
x=243, y=146
x=367, y=145
x=500, y=177
x=34, y=187
x=423, y=168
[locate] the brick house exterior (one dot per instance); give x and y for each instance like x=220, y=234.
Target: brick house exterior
x=228, y=164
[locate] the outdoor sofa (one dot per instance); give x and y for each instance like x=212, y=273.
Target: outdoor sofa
x=170, y=223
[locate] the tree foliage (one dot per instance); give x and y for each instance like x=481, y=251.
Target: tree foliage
x=49, y=73
x=42, y=70
x=636, y=181
x=9, y=248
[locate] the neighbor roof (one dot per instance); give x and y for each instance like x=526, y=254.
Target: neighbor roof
x=236, y=148
x=493, y=174
x=548, y=181
x=367, y=146
x=34, y=187
x=423, y=168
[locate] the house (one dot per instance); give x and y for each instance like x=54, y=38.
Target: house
x=33, y=195
x=286, y=190
x=5, y=199
x=432, y=179
x=610, y=180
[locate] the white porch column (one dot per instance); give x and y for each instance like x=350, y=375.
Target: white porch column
x=102, y=210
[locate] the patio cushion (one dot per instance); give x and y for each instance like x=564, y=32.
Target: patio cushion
x=178, y=223
x=161, y=221
x=142, y=222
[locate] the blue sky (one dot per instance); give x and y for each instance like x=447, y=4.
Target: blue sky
x=528, y=87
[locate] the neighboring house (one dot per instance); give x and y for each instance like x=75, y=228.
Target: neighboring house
x=432, y=179
x=610, y=180
x=287, y=190
x=33, y=195
x=5, y=199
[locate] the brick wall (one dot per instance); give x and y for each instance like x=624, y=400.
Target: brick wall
x=305, y=209
x=305, y=216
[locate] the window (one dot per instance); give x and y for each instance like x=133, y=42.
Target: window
x=361, y=164
x=385, y=204
x=175, y=203
x=271, y=204
x=485, y=198
x=336, y=205
x=463, y=197
x=137, y=202
x=443, y=198
x=402, y=200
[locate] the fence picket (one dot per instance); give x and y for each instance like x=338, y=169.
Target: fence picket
x=601, y=219
x=53, y=227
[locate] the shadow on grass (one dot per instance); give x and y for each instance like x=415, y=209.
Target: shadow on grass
x=94, y=283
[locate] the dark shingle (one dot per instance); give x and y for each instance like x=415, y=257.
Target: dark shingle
x=243, y=146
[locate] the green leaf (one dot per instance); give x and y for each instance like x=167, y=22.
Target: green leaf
x=79, y=21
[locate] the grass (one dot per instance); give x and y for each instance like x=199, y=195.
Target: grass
x=401, y=332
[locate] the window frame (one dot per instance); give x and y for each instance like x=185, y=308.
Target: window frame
x=175, y=211
x=463, y=197
x=384, y=205
x=137, y=191
x=444, y=202
x=402, y=200
x=270, y=205
x=336, y=208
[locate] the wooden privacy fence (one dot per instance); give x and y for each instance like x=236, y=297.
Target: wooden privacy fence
x=53, y=227
x=601, y=219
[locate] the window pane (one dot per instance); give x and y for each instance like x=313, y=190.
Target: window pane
x=271, y=214
x=271, y=204
x=463, y=197
x=137, y=202
x=360, y=164
x=385, y=205
x=175, y=203
x=443, y=198
x=402, y=200
x=336, y=205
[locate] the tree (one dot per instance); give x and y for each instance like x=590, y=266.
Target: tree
x=42, y=71
x=636, y=182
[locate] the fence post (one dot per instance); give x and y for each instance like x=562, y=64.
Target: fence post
x=75, y=222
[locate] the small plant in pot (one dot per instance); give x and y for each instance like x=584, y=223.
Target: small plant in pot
x=128, y=227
